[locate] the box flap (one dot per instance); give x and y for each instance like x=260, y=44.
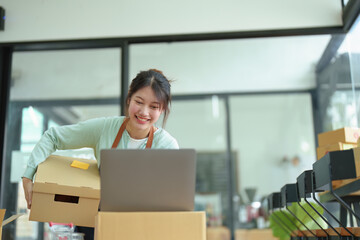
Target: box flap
x=2, y=214
x=56, y=172
x=8, y=220
x=12, y=218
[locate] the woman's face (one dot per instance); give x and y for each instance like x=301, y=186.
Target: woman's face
x=144, y=110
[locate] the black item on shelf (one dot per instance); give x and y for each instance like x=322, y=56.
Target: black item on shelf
x=337, y=165
x=274, y=203
x=304, y=184
x=289, y=195
x=304, y=190
x=310, y=175
x=313, y=179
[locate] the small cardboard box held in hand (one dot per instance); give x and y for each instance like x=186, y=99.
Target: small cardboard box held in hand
x=150, y=225
x=66, y=194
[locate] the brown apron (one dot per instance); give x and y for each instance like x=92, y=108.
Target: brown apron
x=122, y=129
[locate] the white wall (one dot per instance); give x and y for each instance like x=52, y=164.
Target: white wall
x=38, y=20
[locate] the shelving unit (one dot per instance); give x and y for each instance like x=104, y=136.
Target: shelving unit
x=350, y=191
x=338, y=165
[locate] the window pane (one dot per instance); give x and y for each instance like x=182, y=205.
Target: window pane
x=32, y=128
x=240, y=65
x=239, y=68
x=51, y=88
x=339, y=84
x=274, y=138
x=201, y=124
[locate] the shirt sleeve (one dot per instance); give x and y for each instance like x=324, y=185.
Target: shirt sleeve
x=83, y=134
x=166, y=141
x=173, y=144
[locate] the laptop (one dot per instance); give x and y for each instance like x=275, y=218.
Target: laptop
x=147, y=180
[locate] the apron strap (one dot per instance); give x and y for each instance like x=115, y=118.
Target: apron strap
x=122, y=129
x=150, y=138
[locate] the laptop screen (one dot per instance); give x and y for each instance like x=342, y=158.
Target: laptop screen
x=147, y=179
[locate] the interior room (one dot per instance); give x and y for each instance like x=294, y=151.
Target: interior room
x=253, y=84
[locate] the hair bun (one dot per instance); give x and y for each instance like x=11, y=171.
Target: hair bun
x=156, y=70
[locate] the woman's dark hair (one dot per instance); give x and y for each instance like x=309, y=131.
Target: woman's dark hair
x=159, y=84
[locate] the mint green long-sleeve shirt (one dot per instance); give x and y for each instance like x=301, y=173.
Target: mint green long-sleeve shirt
x=96, y=133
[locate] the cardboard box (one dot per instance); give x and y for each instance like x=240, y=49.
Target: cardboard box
x=66, y=194
x=150, y=225
x=344, y=135
x=8, y=220
x=218, y=233
x=254, y=234
x=322, y=151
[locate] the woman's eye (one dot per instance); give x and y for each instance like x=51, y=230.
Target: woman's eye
x=138, y=102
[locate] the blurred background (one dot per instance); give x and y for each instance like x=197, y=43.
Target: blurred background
x=251, y=107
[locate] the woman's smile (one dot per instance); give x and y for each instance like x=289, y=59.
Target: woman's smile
x=142, y=120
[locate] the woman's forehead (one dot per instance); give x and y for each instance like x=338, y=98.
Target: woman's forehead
x=147, y=94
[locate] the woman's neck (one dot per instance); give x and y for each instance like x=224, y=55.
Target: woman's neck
x=137, y=134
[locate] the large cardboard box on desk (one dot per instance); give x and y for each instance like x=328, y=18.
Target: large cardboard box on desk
x=150, y=226
x=66, y=194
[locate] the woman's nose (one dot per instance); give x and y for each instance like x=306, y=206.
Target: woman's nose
x=144, y=110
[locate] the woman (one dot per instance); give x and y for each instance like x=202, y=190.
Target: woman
x=148, y=97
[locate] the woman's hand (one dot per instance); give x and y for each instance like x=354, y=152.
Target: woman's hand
x=28, y=188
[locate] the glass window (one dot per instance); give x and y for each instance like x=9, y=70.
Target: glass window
x=339, y=83
x=273, y=136
x=31, y=129
x=232, y=66
x=52, y=123
x=52, y=88
x=201, y=124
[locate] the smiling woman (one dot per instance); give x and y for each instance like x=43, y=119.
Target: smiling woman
x=143, y=112
x=246, y=85
x=148, y=97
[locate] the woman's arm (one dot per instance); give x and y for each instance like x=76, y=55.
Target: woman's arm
x=84, y=134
